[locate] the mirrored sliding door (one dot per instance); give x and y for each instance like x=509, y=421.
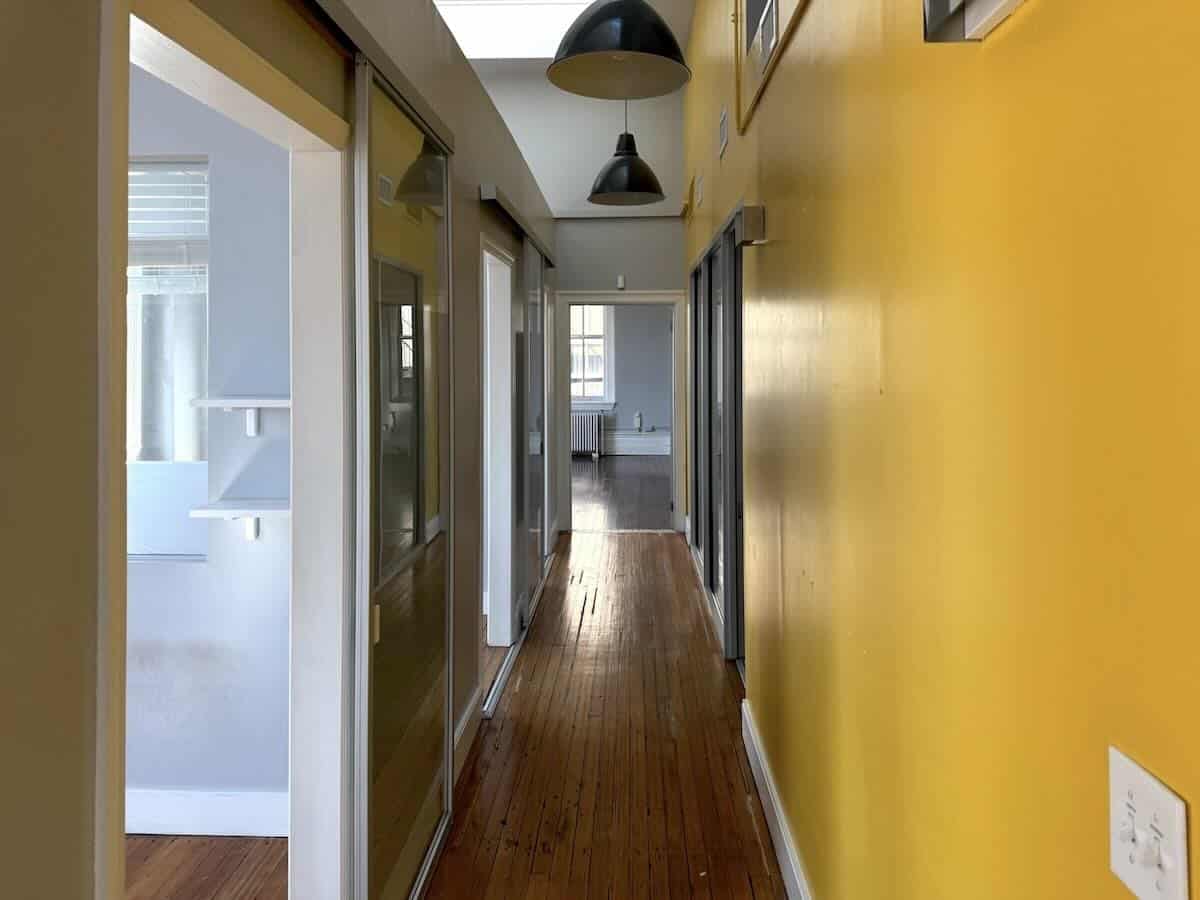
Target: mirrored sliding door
x=403, y=610
x=715, y=486
x=535, y=416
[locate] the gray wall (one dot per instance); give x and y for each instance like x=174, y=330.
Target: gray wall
x=642, y=346
x=208, y=641
x=593, y=252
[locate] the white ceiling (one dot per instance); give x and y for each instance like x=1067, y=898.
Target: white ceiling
x=532, y=29
x=566, y=139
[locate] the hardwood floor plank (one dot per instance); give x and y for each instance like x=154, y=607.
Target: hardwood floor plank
x=205, y=868
x=614, y=766
x=617, y=493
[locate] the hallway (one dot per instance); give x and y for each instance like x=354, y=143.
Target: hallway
x=614, y=766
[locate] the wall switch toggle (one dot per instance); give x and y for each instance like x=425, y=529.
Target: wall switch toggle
x=1148, y=835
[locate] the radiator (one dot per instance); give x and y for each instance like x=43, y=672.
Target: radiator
x=587, y=433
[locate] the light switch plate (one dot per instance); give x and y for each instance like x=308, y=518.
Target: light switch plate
x=1147, y=832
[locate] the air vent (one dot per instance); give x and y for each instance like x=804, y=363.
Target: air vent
x=387, y=191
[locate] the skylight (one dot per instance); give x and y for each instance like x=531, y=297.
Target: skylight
x=509, y=29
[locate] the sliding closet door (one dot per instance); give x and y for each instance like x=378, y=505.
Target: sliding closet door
x=716, y=423
x=403, y=612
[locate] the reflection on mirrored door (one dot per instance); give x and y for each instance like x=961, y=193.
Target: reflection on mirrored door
x=403, y=322
x=398, y=309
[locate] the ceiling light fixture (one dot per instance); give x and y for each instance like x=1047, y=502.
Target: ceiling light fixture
x=619, y=50
x=626, y=179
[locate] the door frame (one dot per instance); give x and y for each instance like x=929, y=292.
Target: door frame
x=179, y=45
x=488, y=247
x=678, y=301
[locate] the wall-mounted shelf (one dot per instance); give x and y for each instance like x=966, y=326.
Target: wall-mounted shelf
x=252, y=404
x=249, y=509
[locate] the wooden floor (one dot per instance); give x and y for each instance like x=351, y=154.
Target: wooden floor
x=200, y=868
x=614, y=765
x=619, y=493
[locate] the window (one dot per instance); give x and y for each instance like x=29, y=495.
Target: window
x=166, y=357
x=591, y=354
x=167, y=307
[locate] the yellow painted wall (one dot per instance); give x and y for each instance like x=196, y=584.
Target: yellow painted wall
x=970, y=432
x=63, y=147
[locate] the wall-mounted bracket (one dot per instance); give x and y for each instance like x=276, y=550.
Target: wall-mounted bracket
x=952, y=21
x=752, y=226
x=250, y=511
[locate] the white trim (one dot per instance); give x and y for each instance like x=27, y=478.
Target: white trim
x=627, y=442
x=433, y=528
x=321, y=639
x=207, y=813
x=795, y=880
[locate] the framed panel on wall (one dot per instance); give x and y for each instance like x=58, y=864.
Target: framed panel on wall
x=763, y=27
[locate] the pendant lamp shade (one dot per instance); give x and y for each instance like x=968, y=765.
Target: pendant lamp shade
x=626, y=179
x=619, y=50
x=422, y=184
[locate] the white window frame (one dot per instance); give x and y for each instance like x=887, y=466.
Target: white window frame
x=608, y=401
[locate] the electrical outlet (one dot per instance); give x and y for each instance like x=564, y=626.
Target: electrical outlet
x=1147, y=832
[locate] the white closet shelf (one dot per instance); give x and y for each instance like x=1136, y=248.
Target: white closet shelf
x=243, y=401
x=250, y=509
x=253, y=405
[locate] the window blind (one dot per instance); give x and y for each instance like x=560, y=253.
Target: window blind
x=168, y=201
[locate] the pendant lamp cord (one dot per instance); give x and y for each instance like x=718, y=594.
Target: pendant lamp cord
x=627, y=117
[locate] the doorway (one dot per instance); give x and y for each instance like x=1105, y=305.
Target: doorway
x=219, y=313
x=516, y=475
x=499, y=627
x=622, y=407
x=623, y=356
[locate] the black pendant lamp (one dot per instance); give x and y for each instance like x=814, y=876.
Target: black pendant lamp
x=421, y=184
x=619, y=50
x=626, y=179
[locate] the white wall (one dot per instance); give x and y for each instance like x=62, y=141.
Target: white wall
x=566, y=139
x=208, y=641
x=642, y=366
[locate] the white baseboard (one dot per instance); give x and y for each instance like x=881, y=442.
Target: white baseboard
x=637, y=443
x=433, y=528
x=795, y=881
x=207, y=813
